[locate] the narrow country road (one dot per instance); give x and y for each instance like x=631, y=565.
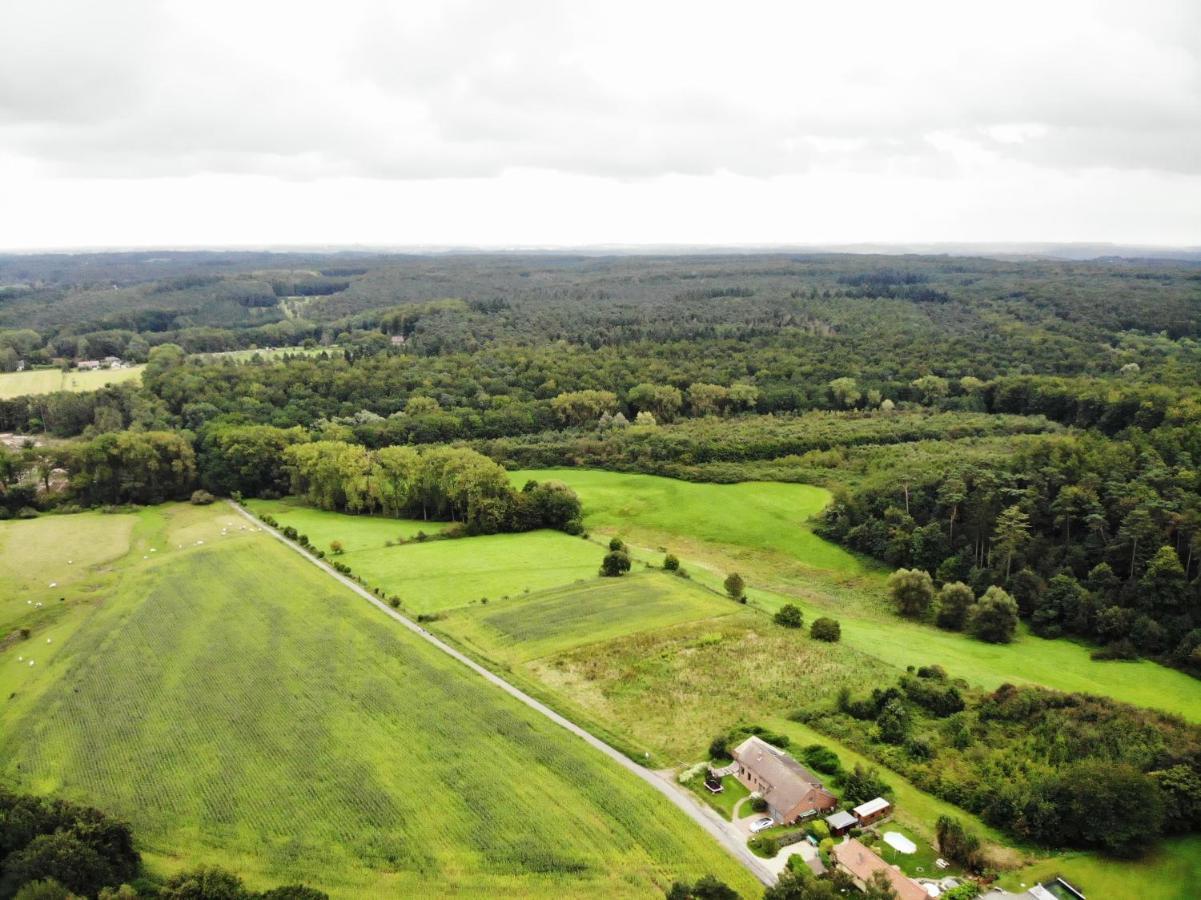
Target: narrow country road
x=704, y=816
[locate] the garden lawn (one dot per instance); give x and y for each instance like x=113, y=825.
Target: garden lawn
x=240, y=708
x=725, y=802
x=47, y=381
x=919, y=863
x=756, y=515
x=526, y=627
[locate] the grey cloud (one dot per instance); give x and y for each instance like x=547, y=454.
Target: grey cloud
x=473, y=89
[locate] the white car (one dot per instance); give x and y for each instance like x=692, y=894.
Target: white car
x=762, y=824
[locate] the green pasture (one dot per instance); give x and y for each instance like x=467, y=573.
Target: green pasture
x=647, y=507
x=438, y=575
x=355, y=532
x=529, y=626
x=756, y=516
x=240, y=708
x=47, y=381
x=1059, y=664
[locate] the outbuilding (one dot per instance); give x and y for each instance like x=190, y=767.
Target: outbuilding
x=871, y=811
x=841, y=822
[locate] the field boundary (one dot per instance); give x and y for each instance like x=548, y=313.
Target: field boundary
x=700, y=814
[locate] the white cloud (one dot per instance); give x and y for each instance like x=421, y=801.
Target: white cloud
x=457, y=104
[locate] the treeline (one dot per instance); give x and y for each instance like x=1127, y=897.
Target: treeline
x=1092, y=537
x=56, y=850
x=442, y=483
x=1061, y=770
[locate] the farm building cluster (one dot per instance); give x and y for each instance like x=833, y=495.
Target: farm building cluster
x=793, y=794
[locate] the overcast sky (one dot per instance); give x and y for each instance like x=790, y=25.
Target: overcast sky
x=153, y=122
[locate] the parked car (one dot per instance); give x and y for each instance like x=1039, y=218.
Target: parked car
x=761, y=825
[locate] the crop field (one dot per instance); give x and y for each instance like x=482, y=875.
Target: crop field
x=47, y=381
x=439, y=575
x=242, y=709
x=553, y=621
x=768, y=517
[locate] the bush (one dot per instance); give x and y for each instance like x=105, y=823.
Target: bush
x=616, y=544
x=789, y=616
x=822, y=758
x=826, y=629
x=763, y=845
x=671, y=563
x=758, y=804
x=735, y=586
x=337, y=548
x=202, y=498
x=615, y=564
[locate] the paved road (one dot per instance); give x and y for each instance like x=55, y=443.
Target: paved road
x=703, y=815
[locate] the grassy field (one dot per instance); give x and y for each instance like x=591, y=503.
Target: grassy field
x=759, y=516
x=355, y=532
x=440, y=575
x=1058, y=664
x=525, y=627
x=240, y=708
x=46, y=381
x=270, y=353
x=1171, y=872
x=824, y=582
x=674, y=689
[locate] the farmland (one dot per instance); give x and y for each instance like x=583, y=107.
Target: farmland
x=553, y=621
x=768, y=518
x=784, y=562
x=274, y=724
x=46, y=381
x=438, y=575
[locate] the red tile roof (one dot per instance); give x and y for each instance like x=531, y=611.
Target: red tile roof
x=861, y=862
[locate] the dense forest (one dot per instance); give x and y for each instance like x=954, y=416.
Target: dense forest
x=1061, y=770
x=1026, y=427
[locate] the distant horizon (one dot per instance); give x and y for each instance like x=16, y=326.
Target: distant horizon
x=1068, y=250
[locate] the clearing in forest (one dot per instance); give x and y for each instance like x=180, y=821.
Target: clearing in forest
x=47, y=381
x=765, y=516
x=241, y=708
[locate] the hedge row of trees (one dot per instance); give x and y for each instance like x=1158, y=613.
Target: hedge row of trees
x=441, y=483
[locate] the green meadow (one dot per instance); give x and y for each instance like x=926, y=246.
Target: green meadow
x=715, y=529
x=47, y=381
x=355, y=532
x=438, y=575
x=756, y=516
x=553, y=621
x=240, y=708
